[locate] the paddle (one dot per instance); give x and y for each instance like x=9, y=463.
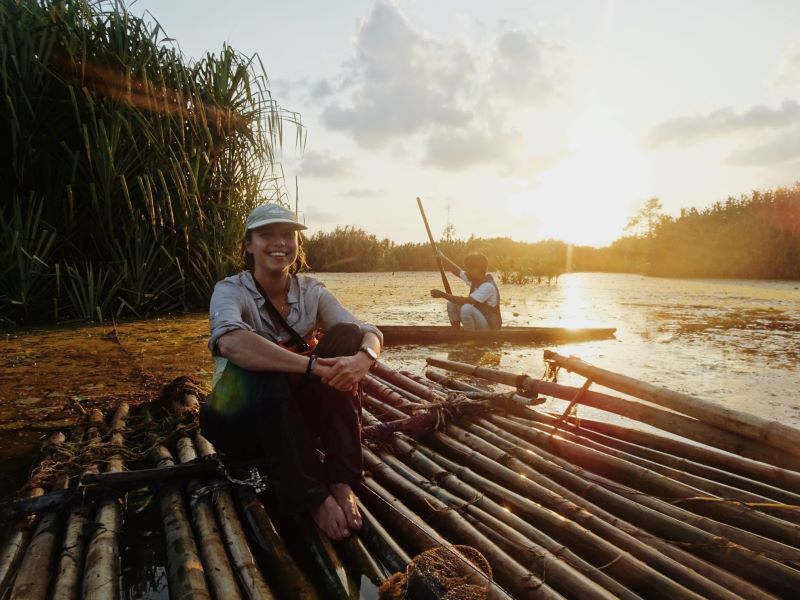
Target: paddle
x=445, y=283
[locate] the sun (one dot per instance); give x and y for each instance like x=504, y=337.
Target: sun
x=587, y=198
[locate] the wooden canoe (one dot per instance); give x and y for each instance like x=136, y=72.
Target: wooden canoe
x=442, y=334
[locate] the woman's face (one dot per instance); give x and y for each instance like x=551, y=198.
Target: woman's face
x=274, y=247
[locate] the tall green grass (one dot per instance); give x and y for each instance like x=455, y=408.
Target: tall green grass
x=126, y=170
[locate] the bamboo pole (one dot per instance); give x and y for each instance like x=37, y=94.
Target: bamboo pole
x=250, y=577
x=33, y=575
x=723, y=491
x=102, y=570
x=746, y=474
x=519, y=447
x=603, y=541
x=336, y=581
x=772, y=433
x=742, y=561
x=543, y=547
x=565, y=570
x=289, y=578
x=775, y=477
x=685, y=470
x=407, y=387
x=380, y=542
x=677, y=424
x=623, y=534
x=379, y=389
x=185, y=572
x=358, y=554
x=16, y=540
x=67, y=585
x=560, y=575
x=518, y=579
x=417, y=532
x=450, y=476
x=217, y=568
x=747, y=522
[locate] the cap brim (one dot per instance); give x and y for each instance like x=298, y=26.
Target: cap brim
x=261, y=223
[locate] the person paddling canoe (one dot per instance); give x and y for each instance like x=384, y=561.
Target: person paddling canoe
x=480, y=310
x=278, y=393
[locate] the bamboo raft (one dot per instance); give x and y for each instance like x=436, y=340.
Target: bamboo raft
x=443, y=334
x=520, y=502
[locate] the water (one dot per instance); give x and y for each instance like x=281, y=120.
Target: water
x=733, y=342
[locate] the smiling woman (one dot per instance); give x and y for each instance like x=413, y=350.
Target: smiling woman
x=587, y=198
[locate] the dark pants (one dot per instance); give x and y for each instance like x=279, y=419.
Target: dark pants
x=288, y=419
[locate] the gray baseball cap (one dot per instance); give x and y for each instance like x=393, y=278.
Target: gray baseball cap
x=266, y=214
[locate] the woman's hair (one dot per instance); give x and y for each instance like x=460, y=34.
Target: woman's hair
x=248, y=263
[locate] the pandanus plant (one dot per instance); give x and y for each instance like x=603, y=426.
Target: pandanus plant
x=127, y=169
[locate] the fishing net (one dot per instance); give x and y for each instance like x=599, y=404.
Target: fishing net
x=440, y=573
x=90, y=446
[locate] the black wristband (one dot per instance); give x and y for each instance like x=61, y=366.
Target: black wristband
x=310, y=367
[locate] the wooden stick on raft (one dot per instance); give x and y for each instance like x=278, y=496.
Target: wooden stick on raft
x=510, y=573
x=560, y=576
x=33, y=576
x=772, y=433
x=566, y=572
x=646, y=480
x=677, y=424
x=706, y=462
x=636, y=575
x=16, y=540
x=738, y=466
x=101, y=577
x=621, y=532
x=289, y=578
x=383, y=545
x=222, y=581
x=250, y=577
x=185, y=572
x=746, y=563
x=67, y=585
x=414, y=529
x=722, y=491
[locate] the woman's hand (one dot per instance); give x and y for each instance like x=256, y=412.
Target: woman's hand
x=437, y=294
x=343, y=372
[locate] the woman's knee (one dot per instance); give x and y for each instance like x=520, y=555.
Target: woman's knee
x=343, y=339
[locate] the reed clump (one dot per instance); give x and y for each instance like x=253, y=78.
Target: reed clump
x=127, y=169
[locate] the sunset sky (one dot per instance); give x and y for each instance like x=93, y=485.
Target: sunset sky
x=529, y=119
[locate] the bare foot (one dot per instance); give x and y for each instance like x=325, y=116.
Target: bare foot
x=331, y=520
x=347, y=501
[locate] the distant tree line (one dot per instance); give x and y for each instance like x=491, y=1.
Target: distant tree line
x=352, y=249
x=755, y=236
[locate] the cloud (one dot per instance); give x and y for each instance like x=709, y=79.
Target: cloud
x=454, y=150
x=525, y=68
x=405, y=84
x=725, y=121
x=315, y=164
x=400, y=81
x=316, y=217
x=321, y=90
x=778, y=149
x=364, y=193
x=789, y=68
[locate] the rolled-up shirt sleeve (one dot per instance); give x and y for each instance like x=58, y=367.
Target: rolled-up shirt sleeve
x=331, y=312
x=227, y=307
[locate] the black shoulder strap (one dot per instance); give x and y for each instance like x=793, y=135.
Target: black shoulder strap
x=278, y=319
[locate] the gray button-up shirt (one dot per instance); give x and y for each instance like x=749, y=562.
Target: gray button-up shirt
x=237, y=304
